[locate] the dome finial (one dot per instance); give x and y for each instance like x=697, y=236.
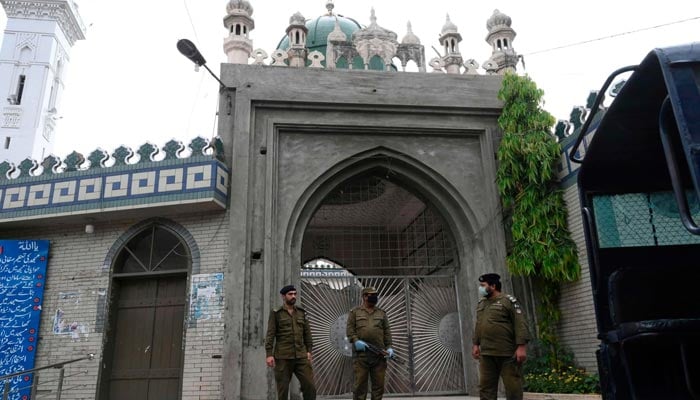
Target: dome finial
x=373, y=17
x=410, y=37
x=330, y=6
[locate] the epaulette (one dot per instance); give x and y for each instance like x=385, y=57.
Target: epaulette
x=516, y=306
x=301, y=308
x=276, y=309
x=482, y=299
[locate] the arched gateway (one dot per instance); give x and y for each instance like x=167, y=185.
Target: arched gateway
x=389, y=178
x=376, y=229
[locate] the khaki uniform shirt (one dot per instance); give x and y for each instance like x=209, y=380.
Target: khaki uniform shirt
x=288, y=335
x=500, y=326
x=371, y=326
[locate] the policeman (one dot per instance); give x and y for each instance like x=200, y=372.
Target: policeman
x=289, y=334
x=500, y=339
x=368, y=329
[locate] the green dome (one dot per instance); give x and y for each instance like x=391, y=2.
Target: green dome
x=317, y=38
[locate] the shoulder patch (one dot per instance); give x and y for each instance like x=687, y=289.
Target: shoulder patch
x=512, y=299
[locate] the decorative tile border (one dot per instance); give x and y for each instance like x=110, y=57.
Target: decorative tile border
x=195, y=180
x=80, y=185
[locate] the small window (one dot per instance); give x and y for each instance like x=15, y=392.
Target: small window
x=238, y=30
x=20, y=88
x=7, y=142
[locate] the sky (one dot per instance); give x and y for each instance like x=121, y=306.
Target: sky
x=127, y=83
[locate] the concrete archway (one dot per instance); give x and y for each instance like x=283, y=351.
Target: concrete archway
x=443, y=197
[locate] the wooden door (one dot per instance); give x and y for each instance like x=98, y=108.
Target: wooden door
x=147, y=343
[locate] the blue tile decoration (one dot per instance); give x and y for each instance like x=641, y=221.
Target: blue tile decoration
x=92, y=187
x=97, y=159
x=74, y=161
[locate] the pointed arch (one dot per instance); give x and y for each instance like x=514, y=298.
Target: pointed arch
x=451, y=206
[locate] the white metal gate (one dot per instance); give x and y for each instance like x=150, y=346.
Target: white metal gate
x=425, y=326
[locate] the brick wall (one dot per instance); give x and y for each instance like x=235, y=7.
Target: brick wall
x=77, y=284
x=577, y=327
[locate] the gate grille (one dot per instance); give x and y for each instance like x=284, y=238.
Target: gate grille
x=424, y=321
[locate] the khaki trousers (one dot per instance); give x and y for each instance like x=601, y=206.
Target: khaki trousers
x=372, y=367
x=493, y=367
x=301, y=367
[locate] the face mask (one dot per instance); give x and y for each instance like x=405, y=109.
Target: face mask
x=372, y=299
x=483, y=292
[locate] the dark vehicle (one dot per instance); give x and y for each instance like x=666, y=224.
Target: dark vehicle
x=639, y=185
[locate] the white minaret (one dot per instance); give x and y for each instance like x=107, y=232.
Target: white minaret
x=450, y=39
x=238, y=46
x=296, y=32
x=33, y=61
x=500, y=37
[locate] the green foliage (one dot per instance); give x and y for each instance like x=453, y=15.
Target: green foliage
x=528, y=155
x=563, y=377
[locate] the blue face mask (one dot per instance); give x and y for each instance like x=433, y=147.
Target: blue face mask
x=483, y=292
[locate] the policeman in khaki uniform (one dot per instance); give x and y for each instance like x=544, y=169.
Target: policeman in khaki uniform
x=289, y=334
x=500, y=339
x=369, y=325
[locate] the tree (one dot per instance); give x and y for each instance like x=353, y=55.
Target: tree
x=528, y=154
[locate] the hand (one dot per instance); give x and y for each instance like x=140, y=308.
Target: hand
x=521, y=354
x=308, y=357
x=360, y=345
x=476, y=352
x=270, y=361
x=390, y=353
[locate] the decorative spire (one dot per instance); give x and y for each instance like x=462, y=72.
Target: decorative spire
x=449, y=26
x=297, y=19
x=337, y=35
x=410, y=37
x=373, y=17
x=239, y=7
x=500, y=37
x=330, y=6
x=498, y=19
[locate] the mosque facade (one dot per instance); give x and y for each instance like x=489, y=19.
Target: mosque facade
x=165, y=262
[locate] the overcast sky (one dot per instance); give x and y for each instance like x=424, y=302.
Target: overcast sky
x=127, y=83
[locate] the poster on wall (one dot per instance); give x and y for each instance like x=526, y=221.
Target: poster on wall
x=22, y=279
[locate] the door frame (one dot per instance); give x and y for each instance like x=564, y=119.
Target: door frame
x=108, y=312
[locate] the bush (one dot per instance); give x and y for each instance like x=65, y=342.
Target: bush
x=568, y=380
x=549, y=371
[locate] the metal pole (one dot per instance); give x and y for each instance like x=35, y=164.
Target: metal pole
x=61, y=373
x=6, y=392
x=35, y=385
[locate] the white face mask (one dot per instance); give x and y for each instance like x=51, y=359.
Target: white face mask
x=483, y=292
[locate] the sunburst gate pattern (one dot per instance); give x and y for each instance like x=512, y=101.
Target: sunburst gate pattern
x=424, y=324
x=437, y=344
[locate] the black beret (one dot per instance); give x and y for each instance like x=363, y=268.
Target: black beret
x=491, y=279
x=287, y=289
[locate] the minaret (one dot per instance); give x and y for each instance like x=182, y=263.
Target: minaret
x=500, y=37
x=238, y=46
x=296, y=32
x=449, y=39
x=33, y=61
